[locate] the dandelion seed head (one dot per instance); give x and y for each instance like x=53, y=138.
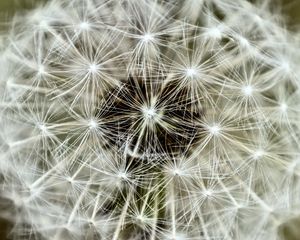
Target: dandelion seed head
x=41, y=70
x=215, y=33
x=150, y=113
x=43, y=25
x=123, y=175
x=92, y=124
x=147, y=38
x=207, y=193
x=140, y=218
x=93, y=68
x=177, y=172
x=258, y=154
x=84, y=26
x=70, y=180
x=283, y=107
x=191, y=72
x=214, y=129
x=247, y=90
x=42, y=127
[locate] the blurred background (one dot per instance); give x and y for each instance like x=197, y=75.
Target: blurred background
x=291, y=10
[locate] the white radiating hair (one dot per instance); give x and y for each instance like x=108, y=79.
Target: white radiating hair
x=150, y=119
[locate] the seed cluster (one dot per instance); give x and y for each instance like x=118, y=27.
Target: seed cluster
x=150, y=119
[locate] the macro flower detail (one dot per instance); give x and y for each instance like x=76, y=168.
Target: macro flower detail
x=149, y=119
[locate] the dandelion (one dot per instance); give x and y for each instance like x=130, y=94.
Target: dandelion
x=149, y=120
